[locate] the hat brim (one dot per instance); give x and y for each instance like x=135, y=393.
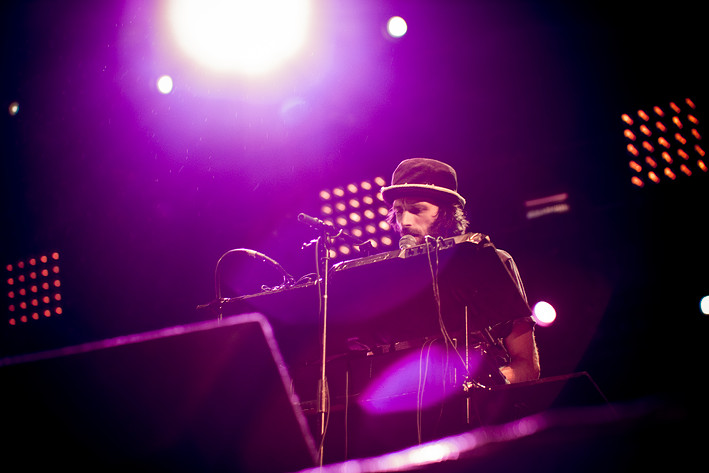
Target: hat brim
x=391, y=193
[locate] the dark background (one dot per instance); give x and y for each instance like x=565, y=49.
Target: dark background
x=141, y=193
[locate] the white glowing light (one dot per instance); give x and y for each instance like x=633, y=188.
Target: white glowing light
x=396, y=26
x=544, y=313
x=704, y=305
x=165, y=84
x=240, y=36
x=14, y=108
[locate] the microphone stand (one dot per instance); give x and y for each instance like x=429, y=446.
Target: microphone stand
x=322, y=243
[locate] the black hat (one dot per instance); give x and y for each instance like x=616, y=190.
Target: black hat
x=423, y=177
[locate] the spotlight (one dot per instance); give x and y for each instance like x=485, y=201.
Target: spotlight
x=396, y=27
x=244, y=37
x=704, y=305
x=544, y=313
x=164, y=84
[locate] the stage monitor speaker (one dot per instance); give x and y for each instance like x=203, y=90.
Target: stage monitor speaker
x=209, y=396
x=513, y=401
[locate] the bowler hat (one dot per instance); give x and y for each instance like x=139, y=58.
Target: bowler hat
x=423, y=177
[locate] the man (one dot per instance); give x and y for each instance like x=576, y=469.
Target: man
x=424, y=202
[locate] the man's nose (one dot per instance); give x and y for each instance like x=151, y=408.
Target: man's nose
x=407, y=219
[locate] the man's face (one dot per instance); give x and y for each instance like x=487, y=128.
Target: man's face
x=414, y=217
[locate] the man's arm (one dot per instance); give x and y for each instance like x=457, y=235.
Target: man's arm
x=524, y=357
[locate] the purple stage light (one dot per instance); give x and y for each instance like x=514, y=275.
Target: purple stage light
x=419, y=380
x=244, y=37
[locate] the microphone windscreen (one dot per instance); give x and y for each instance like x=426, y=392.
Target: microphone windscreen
x=407, y=241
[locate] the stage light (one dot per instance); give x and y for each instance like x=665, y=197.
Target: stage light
x=704, y=305
x=396, y=27
x=361, y=203
x=33, y=289
x=245, y=37
x=668, y=172
x=13, y=109
x=164, y=84
x=383, y=394
x=544, y=313
x=670, y=146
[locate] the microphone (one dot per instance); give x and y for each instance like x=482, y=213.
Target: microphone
x=318, y=224
x=407, y=241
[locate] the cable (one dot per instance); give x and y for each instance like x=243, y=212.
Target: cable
x=288, y=280
x=423, y=366
x=437, y=296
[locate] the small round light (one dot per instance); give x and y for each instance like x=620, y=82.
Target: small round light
x=704, y=305
x=396, y=27
x=544, y=313
x=165, y=84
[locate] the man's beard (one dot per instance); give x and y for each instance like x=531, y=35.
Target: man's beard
x=417, y=235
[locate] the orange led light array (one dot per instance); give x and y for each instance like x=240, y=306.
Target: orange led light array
x=33, y=289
